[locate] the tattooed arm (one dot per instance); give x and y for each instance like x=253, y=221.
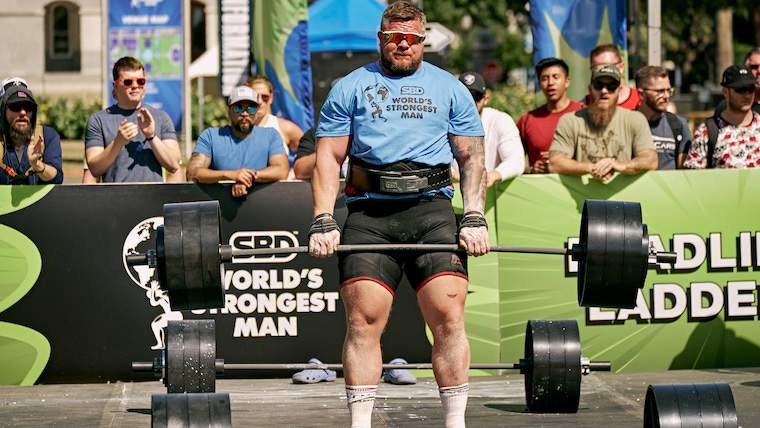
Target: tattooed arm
x=198, y=171
x=470, y=155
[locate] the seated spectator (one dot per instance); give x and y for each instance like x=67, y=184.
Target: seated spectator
x=751, y=60
x=290, y=132
x=732, y=138
x=129, y=141
x=240, y=151
x=602, y=139
x=670, y=133
x=31, y=154
x=537, y=126
x=505, y=157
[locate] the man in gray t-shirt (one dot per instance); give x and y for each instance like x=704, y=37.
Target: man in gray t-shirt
x=653, y=84
x=131, y=142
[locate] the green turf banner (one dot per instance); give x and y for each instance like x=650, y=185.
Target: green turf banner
x=701, y=312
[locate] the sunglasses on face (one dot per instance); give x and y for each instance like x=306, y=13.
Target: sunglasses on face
x=16, y=107
x=611, y=86
x=396, y=37
x=251, y=109
x=128, y=82
x=744, y=90
x=754, y=66
x=265, y=98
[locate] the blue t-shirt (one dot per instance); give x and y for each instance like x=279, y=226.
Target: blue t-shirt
x=396, y=119
x=228, y=152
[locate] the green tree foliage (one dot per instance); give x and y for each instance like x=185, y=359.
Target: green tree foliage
x=68, y=117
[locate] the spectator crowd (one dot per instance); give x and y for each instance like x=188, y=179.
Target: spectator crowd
x=614, y=129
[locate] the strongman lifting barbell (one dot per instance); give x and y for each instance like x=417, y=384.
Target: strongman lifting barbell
x=552, y=366
x=613, y=255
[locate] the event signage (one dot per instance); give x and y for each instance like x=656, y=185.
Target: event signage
x=152, y=32
x=235, y=17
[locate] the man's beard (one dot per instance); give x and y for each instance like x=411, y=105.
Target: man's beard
x=395, y=70
x=19, y=134
x=242, y=126
x=601, y=116
x=652, y=103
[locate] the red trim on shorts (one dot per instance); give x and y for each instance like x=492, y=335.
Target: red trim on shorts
x=365, y=278
x=416, y=290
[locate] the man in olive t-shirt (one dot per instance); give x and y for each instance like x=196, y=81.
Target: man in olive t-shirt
x=602, y=138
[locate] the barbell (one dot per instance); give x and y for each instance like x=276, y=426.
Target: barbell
x=553, y=363
x=613, y=254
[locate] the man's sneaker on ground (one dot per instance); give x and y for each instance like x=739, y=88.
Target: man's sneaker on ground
x=398, y=376
x=314, y=375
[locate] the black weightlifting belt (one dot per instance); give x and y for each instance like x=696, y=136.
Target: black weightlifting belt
x=400, y=178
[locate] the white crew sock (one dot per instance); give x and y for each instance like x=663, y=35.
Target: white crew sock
x=454, y=401
x=361, y=399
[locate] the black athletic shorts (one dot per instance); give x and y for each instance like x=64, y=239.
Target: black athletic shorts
x=424, y=220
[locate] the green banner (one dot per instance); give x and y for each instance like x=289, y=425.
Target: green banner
x=701, y=312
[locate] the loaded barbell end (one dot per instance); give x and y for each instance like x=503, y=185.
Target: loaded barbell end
x=147, y=258
x=594, y=366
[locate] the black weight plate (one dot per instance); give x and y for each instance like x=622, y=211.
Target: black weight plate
x=192, y=258
x=191, y=410
x=614, y=265
x=160, y=257
x=190, y=356
x=690, y=405
x=211, y=261
x=173, y=257
x=553, y=380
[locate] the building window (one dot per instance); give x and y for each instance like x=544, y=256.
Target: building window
x=62, y=43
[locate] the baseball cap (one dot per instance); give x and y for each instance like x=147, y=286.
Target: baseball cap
x=605, y=70
x=19, y=94
x=243, y=93
x=473, y=81
x=12, y=81
x=738, y=76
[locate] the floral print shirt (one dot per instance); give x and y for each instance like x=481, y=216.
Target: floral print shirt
x=736, y=146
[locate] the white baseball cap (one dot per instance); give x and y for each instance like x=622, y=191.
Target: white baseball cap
x=11, y=81
x=243, y=93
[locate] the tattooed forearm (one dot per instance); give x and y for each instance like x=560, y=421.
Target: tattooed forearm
x=196, y=162
x=471, y=157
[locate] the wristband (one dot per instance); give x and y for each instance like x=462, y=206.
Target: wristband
x=473, y=219
x=323, y=223
x=151, y=138
x=44, y=165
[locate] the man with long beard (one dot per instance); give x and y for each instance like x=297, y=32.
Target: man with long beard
x=240, y=152
x=28, y=157
x=401, y=121
x=602, y=139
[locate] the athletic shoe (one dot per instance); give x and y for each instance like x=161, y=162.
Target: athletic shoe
x=398, y=376
x=314, y=375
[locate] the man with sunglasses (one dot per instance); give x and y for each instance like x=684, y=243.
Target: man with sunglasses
x=670, y=132
x=505, y=157
x=290, y=132
x=609, y=54
x=602, y=138
x=401, y=122
x=241, y=151
x=130, y=141
x=31, y=153
x=732, y=138
x=751, y=60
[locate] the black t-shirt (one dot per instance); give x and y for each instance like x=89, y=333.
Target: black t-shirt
x=308, y=143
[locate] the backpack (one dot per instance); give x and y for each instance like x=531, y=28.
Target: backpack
x=712, y=138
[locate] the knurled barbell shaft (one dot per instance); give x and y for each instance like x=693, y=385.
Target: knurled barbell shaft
x=236, y=252
x=148, y=366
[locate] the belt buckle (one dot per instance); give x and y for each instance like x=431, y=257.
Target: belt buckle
x=408, y=184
